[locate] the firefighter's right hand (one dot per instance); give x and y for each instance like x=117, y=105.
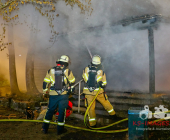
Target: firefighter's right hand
x=71, y=89
x=100, y=83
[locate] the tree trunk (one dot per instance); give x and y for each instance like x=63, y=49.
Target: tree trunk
x=30, y=82
x=12, y=67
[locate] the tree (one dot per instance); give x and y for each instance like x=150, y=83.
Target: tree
x=12, y=67
x=30, y=81
x=5, y=10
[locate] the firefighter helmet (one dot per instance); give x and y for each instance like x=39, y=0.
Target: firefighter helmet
x=96, y=60
x=64, y=58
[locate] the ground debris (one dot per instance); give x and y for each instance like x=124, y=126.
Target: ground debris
x=32, y=130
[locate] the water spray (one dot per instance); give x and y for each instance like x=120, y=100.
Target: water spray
x=89, y=52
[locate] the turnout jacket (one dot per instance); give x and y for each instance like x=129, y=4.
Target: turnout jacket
x=101, y=76
x=49, y=80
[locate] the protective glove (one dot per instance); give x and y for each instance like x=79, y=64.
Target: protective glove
x=100, y=83
x=71, y=90
x=46, y=95
x=45, y=91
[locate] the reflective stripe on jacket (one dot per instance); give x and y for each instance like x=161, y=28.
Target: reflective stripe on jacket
x=50, y=78
x=101, y=76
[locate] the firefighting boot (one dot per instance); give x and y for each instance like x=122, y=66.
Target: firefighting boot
x=94, y=126
x=113, y=117
x=61, y=130
x=45, y=127
x=44, y=131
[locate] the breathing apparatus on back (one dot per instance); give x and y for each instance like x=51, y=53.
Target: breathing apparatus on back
x=62, y=65
x=93, y=68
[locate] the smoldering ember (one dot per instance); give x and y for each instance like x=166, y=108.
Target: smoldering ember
x=83, y=69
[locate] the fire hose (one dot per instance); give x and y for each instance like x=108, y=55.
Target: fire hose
x=80, y=128
x=85, y=122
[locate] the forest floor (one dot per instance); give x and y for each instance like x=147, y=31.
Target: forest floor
x=32, y=130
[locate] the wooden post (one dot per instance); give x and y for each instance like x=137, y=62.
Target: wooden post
x=151, y=61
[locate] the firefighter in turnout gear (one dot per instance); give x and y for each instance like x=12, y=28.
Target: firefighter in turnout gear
x=94, y=77
x=61, y=80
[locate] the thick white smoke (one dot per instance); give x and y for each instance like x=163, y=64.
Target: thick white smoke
x=124, y=50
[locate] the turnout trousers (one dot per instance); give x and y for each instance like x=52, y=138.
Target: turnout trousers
x=60, y=101
x=103, y=99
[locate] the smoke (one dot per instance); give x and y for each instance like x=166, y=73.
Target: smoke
x=4, y=86
x=162, y=57
x=124, y=50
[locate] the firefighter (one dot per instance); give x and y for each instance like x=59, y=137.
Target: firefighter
x=94, y=77
x=61, y=79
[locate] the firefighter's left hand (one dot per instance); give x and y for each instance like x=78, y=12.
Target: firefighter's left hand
x=46, y=95
x=45, y=91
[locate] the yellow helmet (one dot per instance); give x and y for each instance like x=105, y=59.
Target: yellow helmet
x=64, y=58
x=96, y=60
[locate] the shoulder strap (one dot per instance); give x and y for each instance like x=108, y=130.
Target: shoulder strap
x=49, y=71
x=69, y=71
x=89, y=66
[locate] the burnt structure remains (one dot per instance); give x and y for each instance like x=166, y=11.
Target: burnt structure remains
x=122, y=101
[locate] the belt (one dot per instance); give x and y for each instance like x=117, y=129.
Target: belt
x=91, y=88
x=60, y=91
